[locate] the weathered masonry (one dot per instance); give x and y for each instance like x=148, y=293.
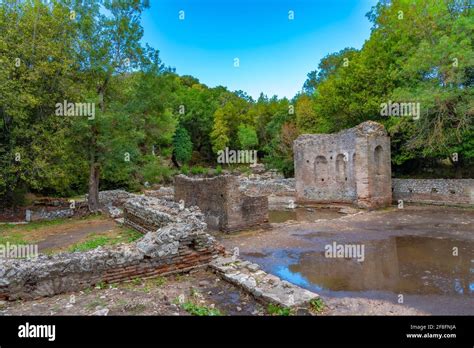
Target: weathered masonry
x=459, y=192
x=352, y=166
x=224, y=206
x=175, y=241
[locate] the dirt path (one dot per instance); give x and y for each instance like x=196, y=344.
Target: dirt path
x=58, y=235
x=69, y=235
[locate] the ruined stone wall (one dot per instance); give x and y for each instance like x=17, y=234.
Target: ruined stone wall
x=324, y=168
x=64, y=210
x=434, y=191
x=224, y=206
x=352, y=166
x=373, y=172
x=181, y=244
x=267, y=187
x=163, y=192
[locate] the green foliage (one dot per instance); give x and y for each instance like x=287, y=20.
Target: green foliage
x=198, y=170
x=185, y=169
x=159, y=281
x=276, y=310
x=426, y=57
x=199, y=310
x=12, y=238
x=94, y=241
x=183, y=147
x=247, y=137
x=154, y=171
x=218, y=170
x=316, y=305
x=147, y=117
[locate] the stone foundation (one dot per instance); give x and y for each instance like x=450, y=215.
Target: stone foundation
x=264, y=287
x=225, y=208
x=178, y=244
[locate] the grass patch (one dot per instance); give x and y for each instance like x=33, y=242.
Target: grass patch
x=196, y=170
x=94, y=241
x=90, y=244
x=35, y=231
x=316, y=305
x=200, y=311
x=136, y=281
x=101, y=285
x=34, y=225
x=12, y=238
x=273, y=309
x=156, y=282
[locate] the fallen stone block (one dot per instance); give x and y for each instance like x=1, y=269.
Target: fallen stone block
x=265, y=287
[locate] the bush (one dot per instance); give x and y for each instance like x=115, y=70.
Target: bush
x=185, y=169
x=183, y=146
x=156, y=172
x=197, y=170
x=247, y=137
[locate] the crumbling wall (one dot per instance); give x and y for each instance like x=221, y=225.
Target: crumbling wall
x=434, y=191
x=163, y=192
x=224, y=206
x=267, y=187
x=352, y=166
x=179, y=244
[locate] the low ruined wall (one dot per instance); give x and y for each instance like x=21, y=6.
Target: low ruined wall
x=162, y=193
x=224, y=206
x=115, y=198
x=181, y=244
x=64, y=210
x=434, y=191
x=268, y=187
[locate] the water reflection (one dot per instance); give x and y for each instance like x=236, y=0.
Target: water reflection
x=302, y=214
x=402, y=264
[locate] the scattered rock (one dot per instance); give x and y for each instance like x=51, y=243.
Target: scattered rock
x=101, y=312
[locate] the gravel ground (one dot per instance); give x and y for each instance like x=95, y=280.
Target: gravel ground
x=154, y=296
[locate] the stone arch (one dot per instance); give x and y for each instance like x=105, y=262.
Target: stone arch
x=321, y=168
x=378, y=155
x=341, y=167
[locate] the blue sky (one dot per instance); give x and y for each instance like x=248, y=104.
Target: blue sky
x=275, y=53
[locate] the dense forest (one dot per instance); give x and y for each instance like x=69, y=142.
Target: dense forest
x=150, y=122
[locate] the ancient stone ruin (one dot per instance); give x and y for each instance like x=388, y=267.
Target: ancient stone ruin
x=224, y=206
x=175, y=241
x=352, y=166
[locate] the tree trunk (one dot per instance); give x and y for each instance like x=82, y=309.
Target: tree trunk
x=94, y=175
x=458, y=170
x=93, y=198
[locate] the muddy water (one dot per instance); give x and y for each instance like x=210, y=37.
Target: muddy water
x=302, y=214
x=411, y=265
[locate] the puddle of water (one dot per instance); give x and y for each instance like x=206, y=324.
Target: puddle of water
x=403, y=264
x=302, y=214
